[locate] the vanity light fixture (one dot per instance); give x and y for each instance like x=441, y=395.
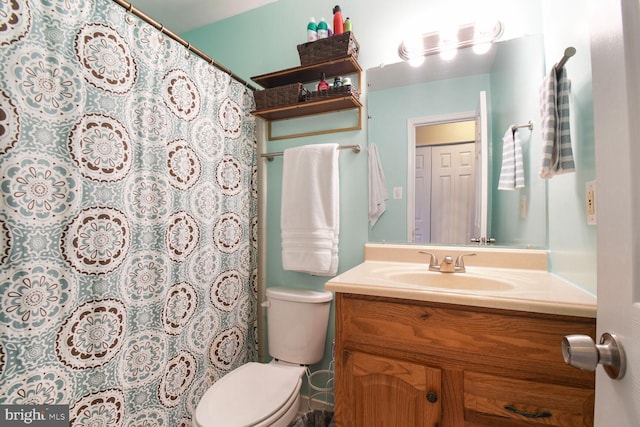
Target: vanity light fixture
x=480, y=36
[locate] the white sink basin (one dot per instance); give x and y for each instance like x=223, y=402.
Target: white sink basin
x=421, y=276
x=496, y=278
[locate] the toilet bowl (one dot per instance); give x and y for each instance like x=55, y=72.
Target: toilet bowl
x=255, y=394
x=268, y=394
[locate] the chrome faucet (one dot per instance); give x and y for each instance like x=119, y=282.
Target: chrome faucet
x=447, y=265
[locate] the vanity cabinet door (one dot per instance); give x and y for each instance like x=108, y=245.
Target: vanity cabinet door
x=385, y=392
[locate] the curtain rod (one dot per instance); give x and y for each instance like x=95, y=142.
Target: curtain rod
x=160, y=27
x=355, y=148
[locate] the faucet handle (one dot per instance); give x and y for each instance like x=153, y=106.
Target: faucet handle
x=434, y=259
x=460, y=261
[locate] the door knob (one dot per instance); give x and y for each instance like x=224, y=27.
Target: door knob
x=580, y=351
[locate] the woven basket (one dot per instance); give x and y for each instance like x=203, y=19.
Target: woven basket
x=333, y=47
x=279, y=96
x=332, y=93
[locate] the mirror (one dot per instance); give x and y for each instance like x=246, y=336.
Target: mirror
x=401, y=97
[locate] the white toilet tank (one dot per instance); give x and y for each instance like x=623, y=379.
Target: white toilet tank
x=297, y=321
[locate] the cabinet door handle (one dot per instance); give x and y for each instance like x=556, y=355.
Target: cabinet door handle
x=543, y=414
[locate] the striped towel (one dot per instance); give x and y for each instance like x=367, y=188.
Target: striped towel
x=512, y=172
x=557, y=155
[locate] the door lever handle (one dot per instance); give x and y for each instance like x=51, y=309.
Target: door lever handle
x=580, y=351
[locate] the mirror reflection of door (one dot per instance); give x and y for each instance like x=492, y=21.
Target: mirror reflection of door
x=445, y=183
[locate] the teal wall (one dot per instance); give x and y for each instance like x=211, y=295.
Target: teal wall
x=572, y=243
x=265, y=39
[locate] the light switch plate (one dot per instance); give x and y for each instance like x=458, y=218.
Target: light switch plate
x=397, y=192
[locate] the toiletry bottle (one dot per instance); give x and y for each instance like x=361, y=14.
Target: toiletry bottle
x=312, y=30
x=323, y=85
x=337, y=82
x=323, y=29
x=338, y=25
x=347, y=25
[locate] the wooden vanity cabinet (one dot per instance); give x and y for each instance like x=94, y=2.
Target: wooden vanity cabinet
x=402, y=363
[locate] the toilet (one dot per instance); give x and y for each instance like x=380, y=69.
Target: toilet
x=268, y=394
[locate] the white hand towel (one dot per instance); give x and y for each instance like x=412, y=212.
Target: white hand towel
x=377, y=186
x=512, y=172
x=310, y=215
x=557, y=155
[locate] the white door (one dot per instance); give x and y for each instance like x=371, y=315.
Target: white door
x=453, y=188
x=615, y=60
x=423, y=195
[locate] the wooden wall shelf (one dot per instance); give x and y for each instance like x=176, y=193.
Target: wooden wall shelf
x=307, y=108
x=307, y=74
x=310, y=73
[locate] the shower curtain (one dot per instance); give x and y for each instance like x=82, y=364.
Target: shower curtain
x=127, y=216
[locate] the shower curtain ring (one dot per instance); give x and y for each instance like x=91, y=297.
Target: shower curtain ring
x=186, y=55
x=160, y=38
x=128, y=18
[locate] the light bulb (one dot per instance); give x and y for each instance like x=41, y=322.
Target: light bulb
x=416, y=60
x=448, y=43
x=448, y=53
x=481, y=48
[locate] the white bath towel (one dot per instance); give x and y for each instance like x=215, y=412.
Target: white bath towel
x=557, y=155
x=512, y=172
x=377, y=186
x=310, y=209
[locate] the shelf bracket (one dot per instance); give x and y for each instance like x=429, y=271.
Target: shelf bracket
x=271, y=137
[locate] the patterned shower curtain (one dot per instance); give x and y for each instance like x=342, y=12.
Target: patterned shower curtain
x=127, y=216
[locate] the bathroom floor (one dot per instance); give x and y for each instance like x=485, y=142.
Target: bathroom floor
x=315, y=418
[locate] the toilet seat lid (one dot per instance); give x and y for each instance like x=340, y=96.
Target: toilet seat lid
x=247, y=395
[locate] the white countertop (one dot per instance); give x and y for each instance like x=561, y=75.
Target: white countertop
x=533, y=290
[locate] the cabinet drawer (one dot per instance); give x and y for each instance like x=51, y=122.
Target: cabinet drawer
x=499, y=401
x=437, y=329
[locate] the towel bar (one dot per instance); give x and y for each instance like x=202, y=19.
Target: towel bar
x=355, y=148
x=528, y=125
